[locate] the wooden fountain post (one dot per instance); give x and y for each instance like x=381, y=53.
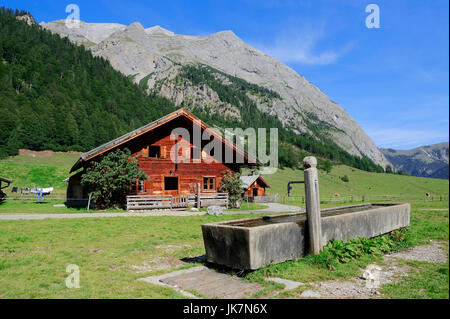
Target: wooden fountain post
x=312, y=204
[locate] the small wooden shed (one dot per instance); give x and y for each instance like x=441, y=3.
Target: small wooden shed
x=254, y=185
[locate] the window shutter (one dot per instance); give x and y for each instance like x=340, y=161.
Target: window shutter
x=145, y=151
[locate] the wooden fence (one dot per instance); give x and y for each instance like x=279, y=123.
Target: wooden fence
x=213, y=199
x=296, y=200
x=149, y=201
x=32, y=196
x=221, y=199
x=136, y=202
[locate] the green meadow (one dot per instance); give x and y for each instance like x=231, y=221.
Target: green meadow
x=359, y=183
x=27, y=171
x=112, y=253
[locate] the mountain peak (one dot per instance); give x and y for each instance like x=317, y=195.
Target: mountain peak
x=226, y=35
x=136, y=26
x=159, y=30
x=227, y=38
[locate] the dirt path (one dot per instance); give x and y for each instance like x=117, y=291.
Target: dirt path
x=367, y=285
x=98, y=215
x=272, y=208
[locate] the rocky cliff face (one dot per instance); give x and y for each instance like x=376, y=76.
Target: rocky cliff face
x=425, y=161
x=27, y=18
x=154, y=57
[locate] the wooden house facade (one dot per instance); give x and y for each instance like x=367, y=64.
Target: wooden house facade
x=171, y=170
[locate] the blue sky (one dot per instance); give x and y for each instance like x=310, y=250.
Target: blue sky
x=393, y=80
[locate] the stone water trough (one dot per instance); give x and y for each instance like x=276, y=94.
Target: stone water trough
x=256, y=242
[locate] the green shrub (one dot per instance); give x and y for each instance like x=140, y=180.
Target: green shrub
x=338, y=251
x=110, y=179
x=232, y=184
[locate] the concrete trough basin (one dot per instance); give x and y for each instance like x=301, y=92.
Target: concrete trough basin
x=256, y=242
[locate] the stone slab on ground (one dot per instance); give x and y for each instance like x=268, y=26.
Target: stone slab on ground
x=205, y=281
x=158, y=280
x=213, y=284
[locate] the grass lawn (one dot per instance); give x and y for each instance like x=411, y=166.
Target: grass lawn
x=29, y=175
x=425, y=280
x=28, y=171
x=113, y=253
x=35, y=254
x=60, y=159
x=30, y=207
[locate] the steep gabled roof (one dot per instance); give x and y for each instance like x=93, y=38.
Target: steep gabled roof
x=151, y=126
x=248, y=180
x=7, y=181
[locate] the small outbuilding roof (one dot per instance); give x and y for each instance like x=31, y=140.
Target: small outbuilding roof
x=248, y=180
x=7, y=181
x=2, y=179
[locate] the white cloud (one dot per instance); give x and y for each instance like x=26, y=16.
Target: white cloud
x=301, y=46
x=406, y=138
x=426, y=76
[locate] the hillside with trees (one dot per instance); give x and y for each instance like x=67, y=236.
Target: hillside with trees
x=56, y=95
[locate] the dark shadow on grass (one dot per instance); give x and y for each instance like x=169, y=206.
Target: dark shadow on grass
x=194, y=260
x=219, y=268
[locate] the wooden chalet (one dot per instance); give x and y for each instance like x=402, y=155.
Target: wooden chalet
x=154, y=143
